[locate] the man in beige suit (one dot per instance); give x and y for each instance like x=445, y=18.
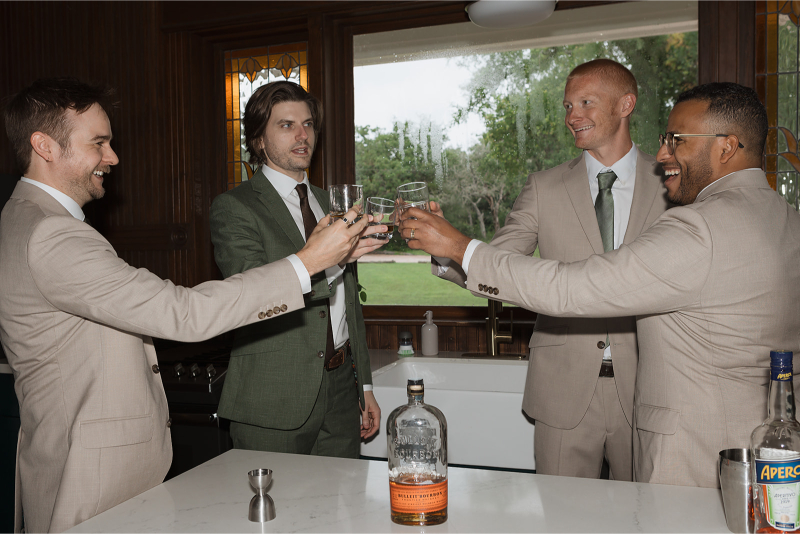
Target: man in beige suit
x=582, y=371
x=76, y=321
x=714, y=285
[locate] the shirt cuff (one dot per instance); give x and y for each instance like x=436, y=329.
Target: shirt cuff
x=332, y=273
x=302, y=272
x=444, y=265
x=367, y=387
x=468, y=254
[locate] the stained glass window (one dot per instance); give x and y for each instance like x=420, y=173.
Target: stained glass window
x=777, y=76
x=245, y=71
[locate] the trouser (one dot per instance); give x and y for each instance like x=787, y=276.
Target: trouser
x=332, y=428
x=603, y=432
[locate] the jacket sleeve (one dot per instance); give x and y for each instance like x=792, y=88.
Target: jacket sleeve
x=663, y=270
x=77, y=271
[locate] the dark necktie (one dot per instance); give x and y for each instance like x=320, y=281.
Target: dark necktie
x=604, y=209
x=309, y=223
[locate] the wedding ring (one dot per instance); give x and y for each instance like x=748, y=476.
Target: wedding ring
x=344, y=219
x=411, y=235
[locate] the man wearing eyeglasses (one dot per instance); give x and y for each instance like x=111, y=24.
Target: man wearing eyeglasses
x=713, y=283
x=582, y=371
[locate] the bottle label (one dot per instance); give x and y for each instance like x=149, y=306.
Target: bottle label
x=417, y=499
x=781, y=374
x=778, y=485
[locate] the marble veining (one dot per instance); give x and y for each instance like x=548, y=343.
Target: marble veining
x=315, y=494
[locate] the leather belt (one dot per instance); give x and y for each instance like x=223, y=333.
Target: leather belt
x=338, y=357
x=607, y=369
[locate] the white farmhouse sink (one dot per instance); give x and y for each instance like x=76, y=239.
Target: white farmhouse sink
x=481, y=400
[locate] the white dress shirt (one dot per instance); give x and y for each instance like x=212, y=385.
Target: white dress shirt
x=66, y=201
x=286, y=188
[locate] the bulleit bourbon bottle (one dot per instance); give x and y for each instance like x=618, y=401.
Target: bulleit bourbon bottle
x=775, y=446
x=417, y=446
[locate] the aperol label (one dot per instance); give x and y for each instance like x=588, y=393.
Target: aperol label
x=416, y=499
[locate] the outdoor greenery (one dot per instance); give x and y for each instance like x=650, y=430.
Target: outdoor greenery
x=518, y=96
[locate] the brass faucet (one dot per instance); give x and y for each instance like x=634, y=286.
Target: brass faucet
x=495, y=336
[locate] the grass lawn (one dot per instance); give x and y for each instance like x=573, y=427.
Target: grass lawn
x=410, y=284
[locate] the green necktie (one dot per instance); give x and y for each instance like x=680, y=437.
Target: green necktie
x=604, y=208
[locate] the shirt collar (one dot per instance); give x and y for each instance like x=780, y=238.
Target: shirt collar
x=69, y=204
x=283, y=184
x=624, y=168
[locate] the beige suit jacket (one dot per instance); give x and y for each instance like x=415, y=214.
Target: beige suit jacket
x=555, y=211
x=76, y=323
x=715, y=286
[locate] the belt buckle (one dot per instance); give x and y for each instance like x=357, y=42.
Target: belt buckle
x=336, y=360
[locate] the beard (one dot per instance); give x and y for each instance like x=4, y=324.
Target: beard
x=284, y=160
x=695, y=176
x=82, y=186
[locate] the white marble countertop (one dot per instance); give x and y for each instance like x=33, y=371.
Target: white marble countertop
x=317, y=494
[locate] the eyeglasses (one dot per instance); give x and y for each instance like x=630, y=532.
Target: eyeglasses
x=669, y=139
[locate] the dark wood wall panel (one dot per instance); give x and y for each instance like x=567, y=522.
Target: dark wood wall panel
x=726, y=42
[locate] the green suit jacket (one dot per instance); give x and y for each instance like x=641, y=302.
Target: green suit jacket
x=275, y=370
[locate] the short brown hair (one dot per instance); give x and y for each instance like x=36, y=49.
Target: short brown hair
x=259, y=108
x=611, y=71
x=43, y=106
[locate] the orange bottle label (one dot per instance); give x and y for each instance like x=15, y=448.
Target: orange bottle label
x=418, y=499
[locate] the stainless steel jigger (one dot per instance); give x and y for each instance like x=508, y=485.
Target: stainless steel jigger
x=262, y=508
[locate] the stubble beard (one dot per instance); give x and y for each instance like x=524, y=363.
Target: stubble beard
x=285, y=161
x=693, y=180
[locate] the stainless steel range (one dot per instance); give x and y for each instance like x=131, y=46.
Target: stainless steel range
x=193, y=375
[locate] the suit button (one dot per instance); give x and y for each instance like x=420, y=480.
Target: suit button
x=601, y=345
x=313, y=292
x=269, y=313
x=496, y=291
x=276, y=310
x=321, y=354
x=155, y=369
x=488, y=289
x=322, y=315
x=169, y=422
x=480, y=287
x=284, y=307
x=261, y=315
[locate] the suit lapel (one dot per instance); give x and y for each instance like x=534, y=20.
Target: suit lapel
x=576, y=182
x=644, y=195
x=277, y=209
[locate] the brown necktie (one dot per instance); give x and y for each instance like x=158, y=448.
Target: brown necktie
x=309, y=223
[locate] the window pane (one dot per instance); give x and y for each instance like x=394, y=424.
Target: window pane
x=245, y=71
x=472, y=112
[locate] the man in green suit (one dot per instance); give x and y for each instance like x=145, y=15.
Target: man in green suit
x=300, y=383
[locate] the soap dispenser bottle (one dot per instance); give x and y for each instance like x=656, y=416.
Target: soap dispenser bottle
x=430, y=336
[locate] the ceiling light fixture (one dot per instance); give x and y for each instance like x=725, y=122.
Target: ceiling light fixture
x=509, y=13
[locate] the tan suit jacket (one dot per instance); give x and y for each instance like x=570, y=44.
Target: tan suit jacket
x=76, y=324
x=555, y=211
x=714, y=285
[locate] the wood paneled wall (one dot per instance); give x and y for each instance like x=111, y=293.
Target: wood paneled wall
x=165, y=59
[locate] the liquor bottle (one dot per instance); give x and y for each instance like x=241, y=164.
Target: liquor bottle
x=775, y=446
x=417, y=445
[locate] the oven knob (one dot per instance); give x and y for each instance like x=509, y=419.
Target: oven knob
x=210, y=371
x=195, y=370
x=179, y=370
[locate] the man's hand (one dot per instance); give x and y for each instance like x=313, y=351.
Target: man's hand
x=436, y=208
x=433, y=234
x=330, y=245
x=370, y=416
x=367, y=244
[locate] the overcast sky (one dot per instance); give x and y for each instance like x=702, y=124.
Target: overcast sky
x=415, y=91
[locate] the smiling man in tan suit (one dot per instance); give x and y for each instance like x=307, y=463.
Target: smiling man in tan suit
x=582, y=371
x=76, y=321
x=714, y=285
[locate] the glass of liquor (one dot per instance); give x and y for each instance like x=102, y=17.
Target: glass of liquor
x=382, y=211
x=345, y=197
x=417, y=458
x=412, y=195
